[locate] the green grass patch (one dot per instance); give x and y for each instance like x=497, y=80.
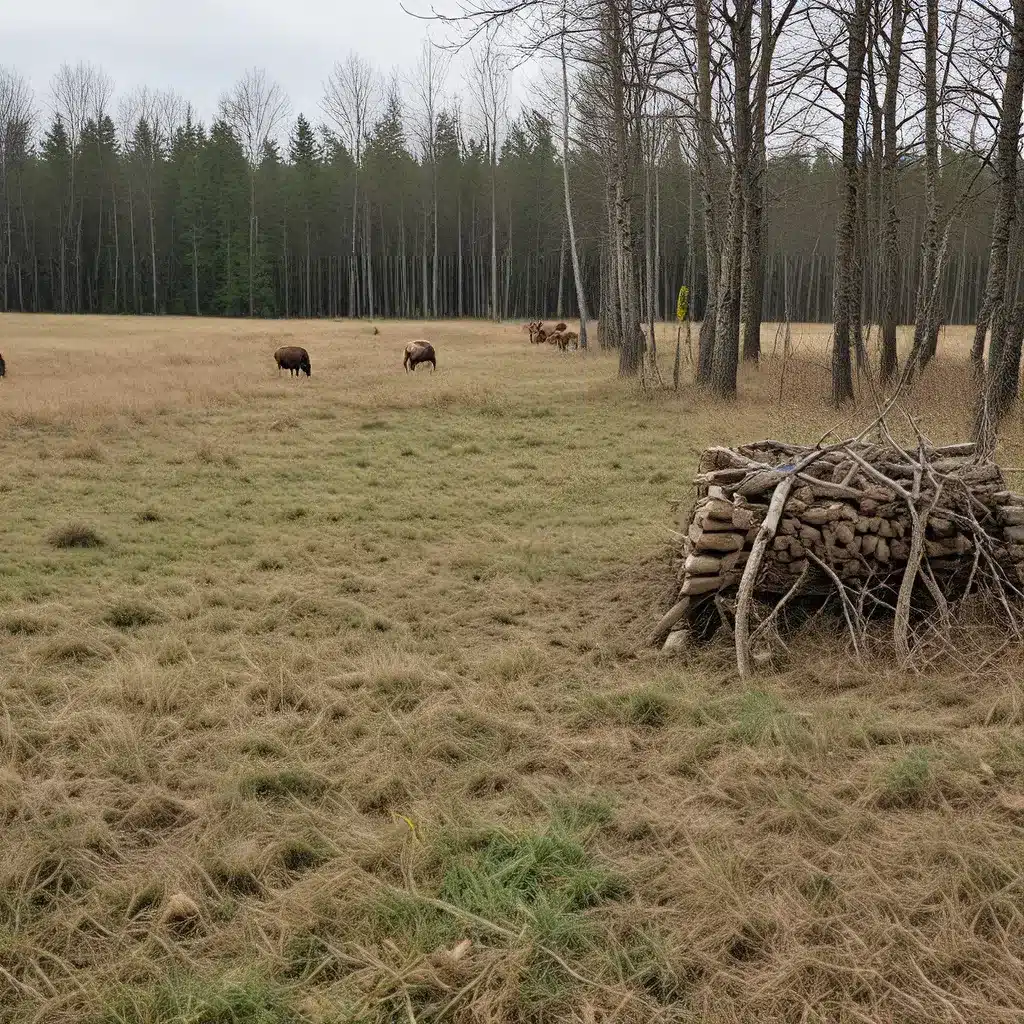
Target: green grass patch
x=188, y=999
x=647, y=708
x=129, y=613
x=907, y=781
x=282, y=784
x=762, y=719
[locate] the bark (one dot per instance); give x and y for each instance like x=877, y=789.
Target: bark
x=1001, y=362
x=754, y=191
x=706, y=159
x=561, y=276
x=890, y=195
x=926, y=327
x=846, y=295
x=631, y=349
x=727, y=328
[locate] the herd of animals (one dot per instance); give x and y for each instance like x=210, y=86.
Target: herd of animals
x=295, y=359
x=559, y=335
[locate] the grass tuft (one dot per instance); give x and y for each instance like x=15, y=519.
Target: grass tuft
x=647, y=708
x=907, y=781
x=129, y=613
x=281, y=785
x=191, y=999
x=75, y=535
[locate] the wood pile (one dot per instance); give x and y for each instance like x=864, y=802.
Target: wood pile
x=874, y=523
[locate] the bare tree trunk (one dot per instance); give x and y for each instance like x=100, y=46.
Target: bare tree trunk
x=706, y=159
x=926, y=327
x=632, y=340
x=754, y=187
x=581, y=298
x=434, y=292
x=727, y=328
x=252, y=240
x=117, y=246
x=353, y=307
x=561, y=276
x=1003, y=371
x=846, y=294
x=131, y=236
x=195, y=270
x=152, y=245
x=890, y=195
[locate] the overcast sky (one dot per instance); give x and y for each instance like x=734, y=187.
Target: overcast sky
x=200, y=47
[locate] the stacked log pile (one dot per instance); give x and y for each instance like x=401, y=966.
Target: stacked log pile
x=852, y=517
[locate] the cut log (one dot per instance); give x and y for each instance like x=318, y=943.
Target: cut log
x=694, y=585
x=724, y=542
x=780, y=519
x=703, y=565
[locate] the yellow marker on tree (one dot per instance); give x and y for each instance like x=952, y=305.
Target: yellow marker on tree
x=682, y=303
x=682, y=307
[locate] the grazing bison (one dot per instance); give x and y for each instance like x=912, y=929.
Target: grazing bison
x=3, y=366
x=293, y=359
x=417, y=352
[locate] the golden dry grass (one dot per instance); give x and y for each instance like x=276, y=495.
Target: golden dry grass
x=303, y=683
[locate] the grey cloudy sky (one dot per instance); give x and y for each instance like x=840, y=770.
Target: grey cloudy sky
x=200, y=47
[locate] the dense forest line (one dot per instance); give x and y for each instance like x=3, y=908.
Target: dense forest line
x=162, y=214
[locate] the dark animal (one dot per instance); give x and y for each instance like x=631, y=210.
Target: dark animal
x=3, y=366
x=560, y=327
x=293, y=359
x=417, y=352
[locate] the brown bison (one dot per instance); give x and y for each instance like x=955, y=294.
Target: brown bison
x=293, y=359
x=561, y=327
x=417, y=352
x=3, y=366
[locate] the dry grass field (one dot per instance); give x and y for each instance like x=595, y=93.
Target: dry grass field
x=328, y=700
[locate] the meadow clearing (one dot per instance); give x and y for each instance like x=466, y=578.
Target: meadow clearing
x=329, y=700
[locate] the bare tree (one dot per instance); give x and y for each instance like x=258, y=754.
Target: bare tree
x=255, y=109
x=428, y=85
x=1004, y=352
x=78, y=93
x=490, y=84
x=727, y=328
x=847, y=290
x=352, y=97
x=926, y=321
x=770, y=31
x=581, y=297
x=147, y=120
x=889, y=205
x=16, y=117
x=707, y=161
